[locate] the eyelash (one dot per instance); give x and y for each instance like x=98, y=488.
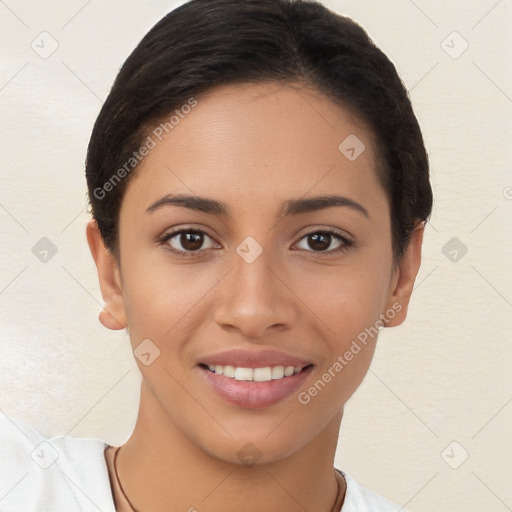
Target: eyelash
x=346, y=243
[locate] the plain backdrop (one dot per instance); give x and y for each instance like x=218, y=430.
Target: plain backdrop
x=430, y=426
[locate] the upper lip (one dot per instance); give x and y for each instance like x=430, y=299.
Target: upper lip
x=244, y=358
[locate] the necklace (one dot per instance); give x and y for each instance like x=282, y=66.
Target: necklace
x=119, y=481
x=336, y=508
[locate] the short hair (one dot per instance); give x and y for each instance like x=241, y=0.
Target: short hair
x=204, y=44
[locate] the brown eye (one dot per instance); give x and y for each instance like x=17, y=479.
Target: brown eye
x=191, y=241
x=321, y=241
x=187, y=241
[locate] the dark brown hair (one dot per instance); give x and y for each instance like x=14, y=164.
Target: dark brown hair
x=206, y=43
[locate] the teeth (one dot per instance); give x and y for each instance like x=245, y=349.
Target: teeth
x=242, y=373
x=262, y=374
x=278, y=372
x=229, y=371
x=288, y=371
x=255, y=374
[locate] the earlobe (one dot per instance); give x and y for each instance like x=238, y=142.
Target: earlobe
x=109, y=321
x=113, y=315
x=404, y=278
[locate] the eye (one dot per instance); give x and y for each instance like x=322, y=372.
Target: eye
x=191, y=242
x=320, y=241
x=187, y=242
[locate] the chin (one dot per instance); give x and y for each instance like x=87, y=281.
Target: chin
x=257, y=446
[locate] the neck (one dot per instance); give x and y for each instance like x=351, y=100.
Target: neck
x=160, y=468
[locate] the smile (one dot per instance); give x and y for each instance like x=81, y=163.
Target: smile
x=262, y=374
x=254, y=388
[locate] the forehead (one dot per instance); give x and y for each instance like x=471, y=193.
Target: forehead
x=257, y=142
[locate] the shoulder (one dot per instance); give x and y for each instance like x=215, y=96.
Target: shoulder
x=360, y=499
x=61, y=473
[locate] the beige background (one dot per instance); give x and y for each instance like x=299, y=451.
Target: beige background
x=440, y=386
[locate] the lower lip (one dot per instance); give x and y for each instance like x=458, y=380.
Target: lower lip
x=252, y=394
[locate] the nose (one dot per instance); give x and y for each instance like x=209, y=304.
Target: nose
x=255, y=297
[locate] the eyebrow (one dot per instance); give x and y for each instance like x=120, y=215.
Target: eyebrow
x=290, y=207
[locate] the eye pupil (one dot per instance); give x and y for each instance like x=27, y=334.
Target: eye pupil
x=191, y=241
x=320, y=241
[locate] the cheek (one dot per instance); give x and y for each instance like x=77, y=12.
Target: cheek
x=347, y=303
x=346, y=299
x=160, y=298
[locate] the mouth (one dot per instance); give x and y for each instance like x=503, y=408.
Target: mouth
x=261, y=374
x=254, y=388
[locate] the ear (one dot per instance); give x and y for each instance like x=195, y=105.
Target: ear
x=113, y=315
x=404, y=277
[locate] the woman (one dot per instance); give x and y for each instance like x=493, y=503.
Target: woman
x=259, y=190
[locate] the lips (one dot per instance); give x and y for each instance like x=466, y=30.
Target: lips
x=254, y=379
x=253, y=359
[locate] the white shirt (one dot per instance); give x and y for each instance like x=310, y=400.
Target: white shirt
x=69, y=474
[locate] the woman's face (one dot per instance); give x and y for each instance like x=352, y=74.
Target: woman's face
x=254, y=281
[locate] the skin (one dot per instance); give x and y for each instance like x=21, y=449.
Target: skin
x=252, y=147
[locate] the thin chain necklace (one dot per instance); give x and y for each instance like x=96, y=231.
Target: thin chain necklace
x=119, y=481
x=336, y=508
